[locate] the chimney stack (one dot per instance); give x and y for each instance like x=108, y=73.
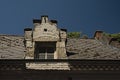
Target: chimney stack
x=28, y=33
x=44, y=19
x=54, y=22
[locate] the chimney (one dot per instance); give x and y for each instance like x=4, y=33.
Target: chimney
x=44, y=19
x=36, y=22
x=98, y=35
x=54, y=22
x=28, y=33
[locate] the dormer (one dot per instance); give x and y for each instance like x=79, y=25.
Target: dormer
x=48, y=41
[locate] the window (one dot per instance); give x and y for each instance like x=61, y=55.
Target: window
x=46, y=53
x=45, y=30
x=45, y=50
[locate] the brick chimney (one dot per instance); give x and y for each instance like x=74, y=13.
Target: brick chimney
x=98, y=35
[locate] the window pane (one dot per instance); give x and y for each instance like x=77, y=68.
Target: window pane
x=42, y=50
x=50, y=50
x=46, y=52
x=50, y=56
x=42, y=56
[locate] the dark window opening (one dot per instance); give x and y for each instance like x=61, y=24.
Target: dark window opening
x=45, y=50
x=46, y=53
x=45, y=30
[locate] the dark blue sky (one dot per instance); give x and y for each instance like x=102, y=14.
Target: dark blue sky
x=85, y=16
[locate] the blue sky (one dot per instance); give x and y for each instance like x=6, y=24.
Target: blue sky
x=85, y=16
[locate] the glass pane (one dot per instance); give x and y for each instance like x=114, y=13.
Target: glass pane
x=50, y=56
x=42, y=56
x=42, y=50
x=50, y=50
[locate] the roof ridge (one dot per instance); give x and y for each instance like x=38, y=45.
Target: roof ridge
x=11, y=35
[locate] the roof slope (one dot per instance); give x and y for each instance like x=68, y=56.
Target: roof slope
x=91, y=49
x=12, y=47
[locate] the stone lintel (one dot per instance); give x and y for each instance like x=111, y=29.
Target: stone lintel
x=48, y=66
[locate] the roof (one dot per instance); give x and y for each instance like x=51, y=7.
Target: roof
x=91, y=49
x=12, y=47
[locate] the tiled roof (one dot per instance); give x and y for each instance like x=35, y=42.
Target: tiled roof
x=12, y=47
x=91, y=49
